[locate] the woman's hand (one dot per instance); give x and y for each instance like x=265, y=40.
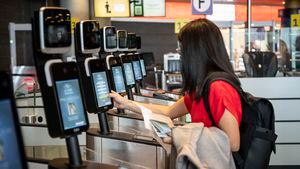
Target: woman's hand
x=167, y=140
x=119, y=101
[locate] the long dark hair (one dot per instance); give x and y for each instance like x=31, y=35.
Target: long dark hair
x=202, y=51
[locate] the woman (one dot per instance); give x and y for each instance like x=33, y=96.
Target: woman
x=202, y=51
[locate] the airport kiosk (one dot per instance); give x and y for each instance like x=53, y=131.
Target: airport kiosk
x=60, y=84
x=109, y=42
x=114, y=65
x=93, y=71
x=126, y=62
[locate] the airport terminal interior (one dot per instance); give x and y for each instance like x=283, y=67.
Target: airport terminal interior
x=61, y=59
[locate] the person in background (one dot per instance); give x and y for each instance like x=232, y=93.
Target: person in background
x=202, y=51
x=286, y=64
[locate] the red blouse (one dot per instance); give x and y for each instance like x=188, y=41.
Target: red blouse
x=221, y=96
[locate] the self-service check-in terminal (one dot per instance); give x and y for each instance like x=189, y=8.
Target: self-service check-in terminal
x=60, y=83
x=93, y=71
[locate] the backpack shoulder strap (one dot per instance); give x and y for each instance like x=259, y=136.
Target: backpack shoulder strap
x=214, y=77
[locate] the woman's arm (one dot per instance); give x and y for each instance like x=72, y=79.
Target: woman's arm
x=178, y=109
x=230, y=126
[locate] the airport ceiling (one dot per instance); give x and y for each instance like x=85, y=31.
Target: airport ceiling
x=255, y=2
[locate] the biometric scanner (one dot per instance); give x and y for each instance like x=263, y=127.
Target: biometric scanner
x=60, y=83
x=108, y=36
x=93, y=71
x=122, y=44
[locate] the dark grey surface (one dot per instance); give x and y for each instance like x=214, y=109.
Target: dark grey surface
x=18, y=11
x=158, y=38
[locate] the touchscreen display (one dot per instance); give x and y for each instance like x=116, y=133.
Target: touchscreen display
x=129, y=74
x=70, y=102
x=143, y=67
x=137, y=70
x=101, y=89
x=118, y=79
x=9, y=150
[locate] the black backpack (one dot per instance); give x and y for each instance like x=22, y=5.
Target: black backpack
x=257, y=130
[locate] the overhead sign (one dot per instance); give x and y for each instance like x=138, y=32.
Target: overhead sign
x=222, y=12
x=73, y=23
x=179, y=23
x=111, y=8
x=203, y=7
x=137, y=8
x=154, y=7
x=295, y=20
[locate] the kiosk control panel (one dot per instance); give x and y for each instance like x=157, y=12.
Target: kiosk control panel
x=128, y=70
x=117, y=76
x=122, y=40
x=101, y=85
x=131, y=40
x=143, y=67
x=54, y=30
x=73, y=117
x=109, y=39
x=137, y=67
x=89, y=37
x=12, y=153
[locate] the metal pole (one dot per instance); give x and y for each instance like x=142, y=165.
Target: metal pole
x=130, y=94
x=74, y=151
x=104, y=127
x=249, y=22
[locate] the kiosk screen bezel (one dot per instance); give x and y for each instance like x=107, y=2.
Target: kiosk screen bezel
x=65, y=72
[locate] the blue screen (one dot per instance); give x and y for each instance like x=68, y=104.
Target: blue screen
x=118, y=79
x=129, y=74
x=70, y=102
x=101, y=89
x=9, y=148
x=137, y=70
x=143, y=67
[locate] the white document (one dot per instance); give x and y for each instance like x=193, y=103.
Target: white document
x=160, y=124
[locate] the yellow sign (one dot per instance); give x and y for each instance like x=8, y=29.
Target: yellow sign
x=73, y=23
x=111, y=8
x=179, y=23
x=295, y=20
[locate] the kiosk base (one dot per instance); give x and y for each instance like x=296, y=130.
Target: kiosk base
x=63, y=163
x=130, y=94
x=103, y=122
